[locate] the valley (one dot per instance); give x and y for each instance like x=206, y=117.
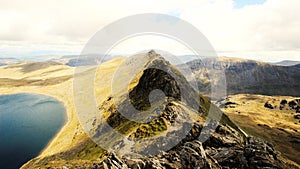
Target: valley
x=73, y=148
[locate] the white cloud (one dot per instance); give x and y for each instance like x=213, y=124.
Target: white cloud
x=272, y=28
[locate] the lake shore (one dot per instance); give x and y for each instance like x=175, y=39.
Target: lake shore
x=61, y=91
x=28, y=123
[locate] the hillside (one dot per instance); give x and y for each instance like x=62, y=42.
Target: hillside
x=248, y=76
x=6, y=61
x=87, y=60
x=297, y=66
x=287, y=63
x=184, y=110
x=273, y=118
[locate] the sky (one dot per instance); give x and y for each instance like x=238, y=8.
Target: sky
x=267, y=30
x=243, y=3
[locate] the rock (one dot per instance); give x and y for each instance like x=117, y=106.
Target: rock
x=116, y=158
x=297, y=109
x=171, y=112
x=297, y=116
x=105, y=165
x=226, y=104
x=96, y=166
x=224, y=149
x=190, y=158
x=292, y=104
x=260, y=154
x=229, y=157
x=268, y=105
x=153, y=163
x=223, y=137
x=283, y=102
x=113, y=161
x=135, y=163
x=229, y=104
x=263, y=125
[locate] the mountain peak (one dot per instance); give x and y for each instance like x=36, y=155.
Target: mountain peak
x=175, y=129
x=152, y=53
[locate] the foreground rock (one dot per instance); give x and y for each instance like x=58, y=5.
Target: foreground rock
x=278, y=126
x=223, y=150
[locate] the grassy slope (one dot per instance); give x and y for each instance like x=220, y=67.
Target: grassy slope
x=62, y=91
x=71, y=142
x=276, y=126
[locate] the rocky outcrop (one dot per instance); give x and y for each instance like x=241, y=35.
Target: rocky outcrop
x=291, y=104
x=223, y=150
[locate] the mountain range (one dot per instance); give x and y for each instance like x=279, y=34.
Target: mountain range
x=227, y=147
x=287, y=63
x=247, y=76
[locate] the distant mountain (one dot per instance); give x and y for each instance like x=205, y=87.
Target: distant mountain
x=8, y=60
x=86, y=60
x=187, y=58
x=69, y=56
x=69, y=60
x=248, y=76
x=28, y=67
x=12, y=60
x=287, y=63
x=297, y=66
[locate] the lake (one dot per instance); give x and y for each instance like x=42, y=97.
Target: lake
x=27, y=123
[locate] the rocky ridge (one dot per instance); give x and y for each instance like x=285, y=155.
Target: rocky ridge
x=226, y=147
x=223, y=150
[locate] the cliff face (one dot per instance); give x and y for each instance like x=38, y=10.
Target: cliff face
x=247, y=76
x=166, y=129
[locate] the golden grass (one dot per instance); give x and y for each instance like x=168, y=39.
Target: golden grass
x=276, y=126
x=71, y=134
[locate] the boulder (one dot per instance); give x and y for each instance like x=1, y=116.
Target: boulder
x=292, y=104
x=268, y=105
x=297, y=116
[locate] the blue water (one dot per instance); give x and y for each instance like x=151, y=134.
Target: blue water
x=27, y=123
